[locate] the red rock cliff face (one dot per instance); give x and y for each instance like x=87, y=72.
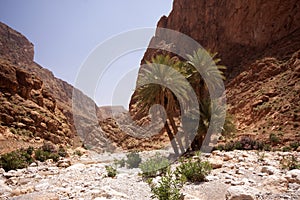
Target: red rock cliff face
x=241, y=31
x=23, y=80
x=14, y=46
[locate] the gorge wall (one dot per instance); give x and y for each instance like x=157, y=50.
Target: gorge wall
x=35, y=102
x=247, y=34
x=240, y=31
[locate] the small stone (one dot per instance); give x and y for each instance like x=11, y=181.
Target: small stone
x=234, y=183
x=293, y=176
x=268, y=170
x=34, y=164
x=216, y=163
x=41, y=186
x=240, y=171
x=211, y=178
x=241, y=193
x=227, y=157
x=12, y=173
x=64, y=163
x=16, y=192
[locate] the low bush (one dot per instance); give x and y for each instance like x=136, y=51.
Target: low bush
x=154, y=166
x=274, y=139
x=168, y=188
x=120, y=163
x=48, y=151
x=17, y=159
x=111, y=171
x=290, y=162
x=133, y=160
x=193, y=170
x=245, y=143
x=62, y=152
x=78, y=153
x=294, y=145
x=42, y=155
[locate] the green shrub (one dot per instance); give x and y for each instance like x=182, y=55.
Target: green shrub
x=168, y=188
x=286, y=149
x=193, y=170
x=120, y=163
x=154, y=166
x=133, y=160
x=47, y=151
x=16, y=159
x=245, y=143
x=111, y=171
x=78, y=153
x=274, y=138
x=30, y=150
x=290, y=162
x=62, y=152
x=48, y=147
x=45, y=155
x=294, y=145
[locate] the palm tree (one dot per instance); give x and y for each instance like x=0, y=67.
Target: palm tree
x=160, y=82
x=172, y=83
x=207, y=80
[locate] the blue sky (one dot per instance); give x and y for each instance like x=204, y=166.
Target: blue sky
x=64, y=32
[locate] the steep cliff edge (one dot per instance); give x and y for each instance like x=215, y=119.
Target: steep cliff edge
x=35, y=106
x=240, y=31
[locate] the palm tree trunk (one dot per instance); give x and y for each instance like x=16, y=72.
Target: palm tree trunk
x=175, y=130
x=171, y=138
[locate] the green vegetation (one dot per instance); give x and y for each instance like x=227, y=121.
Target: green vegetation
x=294, y=145
x=24, y=157
x=245, y=143
x=42, y=155
x=120, y=163
x=168, y=188
x=133, y=160
x=156, y=86
x=62, y=152
x=290, y=162
x=193, y=170
x=274, y=139
x=154, y=166
x=17, y=159
x=111, y=171
x=78, y=153
x=48, y=151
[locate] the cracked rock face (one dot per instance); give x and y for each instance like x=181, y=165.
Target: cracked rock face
x=240, y=31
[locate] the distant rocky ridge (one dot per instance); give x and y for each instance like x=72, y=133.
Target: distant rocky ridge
x=25, y=82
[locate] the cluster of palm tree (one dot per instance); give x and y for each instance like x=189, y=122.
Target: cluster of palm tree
x=187, y=91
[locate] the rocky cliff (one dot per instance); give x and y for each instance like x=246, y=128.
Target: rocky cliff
x=240, y=31
x=36, y=106
x=255, y=41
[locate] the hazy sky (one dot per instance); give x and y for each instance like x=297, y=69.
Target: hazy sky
x=64, y=32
